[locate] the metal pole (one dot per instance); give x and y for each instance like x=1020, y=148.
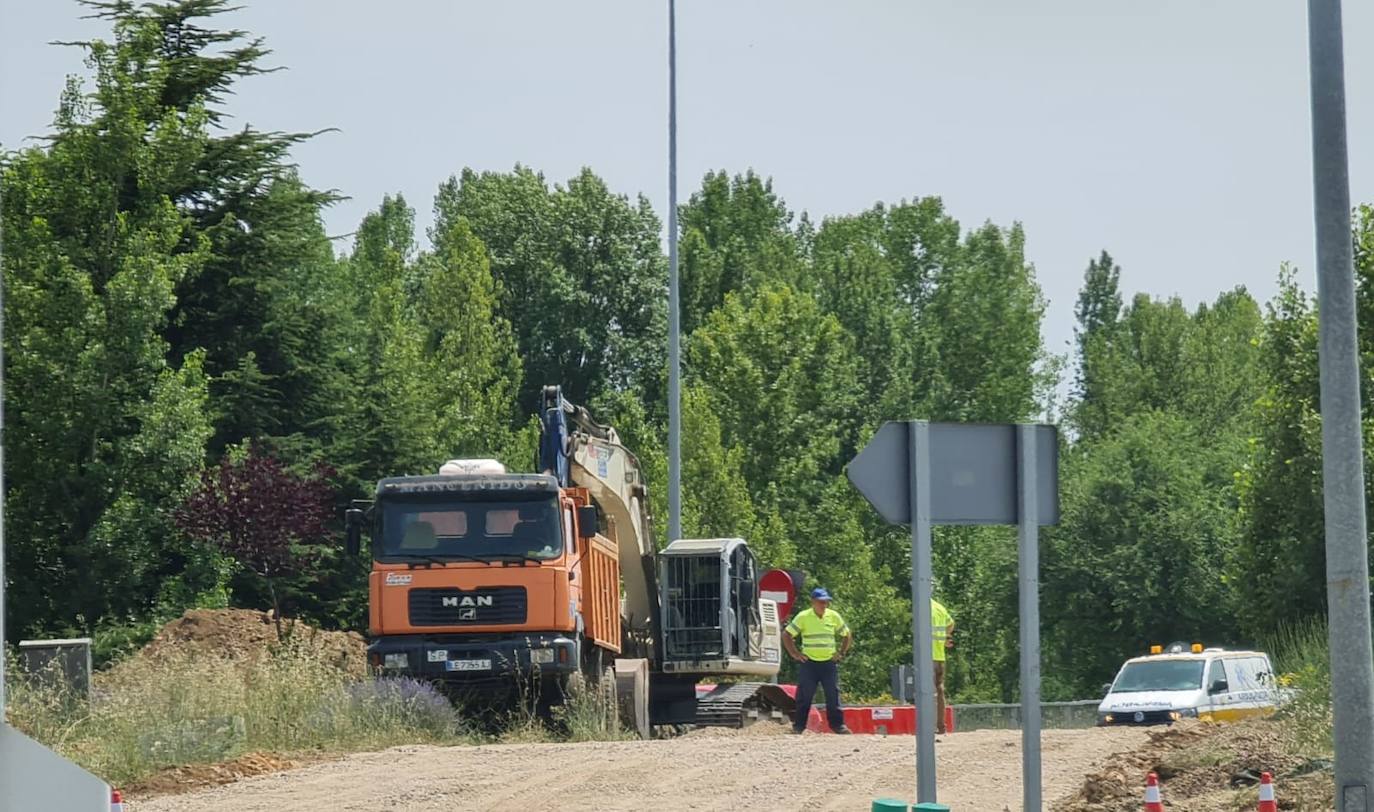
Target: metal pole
x=918, y=443
x=1347, y=565
x=674, y=339
x=1028, y=548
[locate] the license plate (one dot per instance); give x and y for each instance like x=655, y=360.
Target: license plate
x=469, y=665
x=438, y=656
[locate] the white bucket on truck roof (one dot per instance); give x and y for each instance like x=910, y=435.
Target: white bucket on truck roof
x=469, y=467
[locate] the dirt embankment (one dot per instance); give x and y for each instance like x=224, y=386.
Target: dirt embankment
x=249, y=634
x=753, y=769
x=1205, y=767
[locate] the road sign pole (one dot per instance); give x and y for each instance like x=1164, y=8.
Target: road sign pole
x=1343, y=492
x=918, y=448
x=1028, y=544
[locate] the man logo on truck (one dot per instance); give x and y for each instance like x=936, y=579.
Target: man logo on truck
x=465, y=601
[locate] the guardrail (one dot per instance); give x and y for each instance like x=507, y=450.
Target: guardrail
x=1053, y=715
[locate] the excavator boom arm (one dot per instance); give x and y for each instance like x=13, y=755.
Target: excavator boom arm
x=582, y=453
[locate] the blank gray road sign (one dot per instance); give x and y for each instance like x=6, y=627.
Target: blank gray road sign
x=972, y=469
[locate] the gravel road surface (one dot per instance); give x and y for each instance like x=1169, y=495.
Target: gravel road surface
x=708, y=770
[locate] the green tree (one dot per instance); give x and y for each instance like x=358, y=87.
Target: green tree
x=259, y=294
x=103, y=435
x=469, y=348
x=1098, y=312
x=580, y=273
x=781, y=376
x=1142, y=550
x=435, y=368
x=1282, y=548
x=736, y=233
x=877, y=273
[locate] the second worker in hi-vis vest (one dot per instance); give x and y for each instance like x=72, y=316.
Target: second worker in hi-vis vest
x=942, y=635
x=825, y=640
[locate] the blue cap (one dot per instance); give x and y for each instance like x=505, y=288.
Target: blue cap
x=819, y=594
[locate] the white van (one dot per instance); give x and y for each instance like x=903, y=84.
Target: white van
x=1210, y=684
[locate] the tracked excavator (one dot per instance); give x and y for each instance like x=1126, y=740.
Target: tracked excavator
x=488, y=582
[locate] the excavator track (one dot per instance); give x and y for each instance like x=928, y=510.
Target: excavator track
x=742, y=704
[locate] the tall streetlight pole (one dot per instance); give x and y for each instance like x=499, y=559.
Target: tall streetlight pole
x=1347, y=564
x=674, y=337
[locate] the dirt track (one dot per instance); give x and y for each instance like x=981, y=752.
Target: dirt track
x=722, y=770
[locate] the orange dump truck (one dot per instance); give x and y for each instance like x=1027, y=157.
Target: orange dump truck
x=484, y=580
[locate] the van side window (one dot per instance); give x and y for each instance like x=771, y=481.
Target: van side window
x=1215, y=672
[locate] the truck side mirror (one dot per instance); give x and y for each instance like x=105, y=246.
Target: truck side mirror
x=587, y=525
x=353, y=530
x=1106, y=688
x=1219, y=687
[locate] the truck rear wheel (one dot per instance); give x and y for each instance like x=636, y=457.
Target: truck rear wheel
x=606, y=696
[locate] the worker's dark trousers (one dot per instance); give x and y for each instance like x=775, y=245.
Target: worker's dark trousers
x=827, y=676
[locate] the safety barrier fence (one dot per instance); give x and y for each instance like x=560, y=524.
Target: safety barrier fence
x=1053, y=715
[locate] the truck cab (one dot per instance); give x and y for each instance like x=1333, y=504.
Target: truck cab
x=1211, y=684
x=480, y=574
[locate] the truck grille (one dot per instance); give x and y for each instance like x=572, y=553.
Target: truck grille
x=480, y=607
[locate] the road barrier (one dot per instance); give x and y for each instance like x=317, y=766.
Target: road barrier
x=901, y=719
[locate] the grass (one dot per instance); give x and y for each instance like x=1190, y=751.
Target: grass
x=1302, y=659
x=587, y=714
x=148, y=714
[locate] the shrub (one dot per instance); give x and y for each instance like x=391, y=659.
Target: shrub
x=184, y=707
x=1302, y=658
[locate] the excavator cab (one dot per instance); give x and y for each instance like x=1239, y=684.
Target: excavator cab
x=713, y=621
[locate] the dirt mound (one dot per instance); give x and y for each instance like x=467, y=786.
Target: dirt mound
x=248, y=634
x=1202, y=766
x=180, y=780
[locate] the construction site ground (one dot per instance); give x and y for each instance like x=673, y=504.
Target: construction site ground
x=1203, y=767
x=710, y=769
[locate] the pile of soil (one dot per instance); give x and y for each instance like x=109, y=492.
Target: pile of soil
x=193, y=777
x=1207, y=768
x=248, y=634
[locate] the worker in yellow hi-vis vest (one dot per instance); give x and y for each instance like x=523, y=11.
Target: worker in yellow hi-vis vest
x=825, y=640
x=942, y=631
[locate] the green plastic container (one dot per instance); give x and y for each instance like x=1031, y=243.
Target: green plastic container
x=890, y=805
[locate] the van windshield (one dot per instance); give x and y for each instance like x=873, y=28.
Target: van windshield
x=1160, y=675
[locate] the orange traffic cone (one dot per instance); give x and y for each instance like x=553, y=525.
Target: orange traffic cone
x=116, y=801
x=1152, y=802
x=1266, y=796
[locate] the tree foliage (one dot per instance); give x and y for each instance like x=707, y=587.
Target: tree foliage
x=261, y=515
x=171, y=297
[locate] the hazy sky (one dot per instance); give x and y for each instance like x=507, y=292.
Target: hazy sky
x=1174, y=133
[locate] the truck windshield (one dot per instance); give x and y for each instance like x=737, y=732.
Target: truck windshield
x=466, y=529
x=1160, y=675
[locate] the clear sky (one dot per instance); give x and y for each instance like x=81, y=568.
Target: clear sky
x=1174, y=133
